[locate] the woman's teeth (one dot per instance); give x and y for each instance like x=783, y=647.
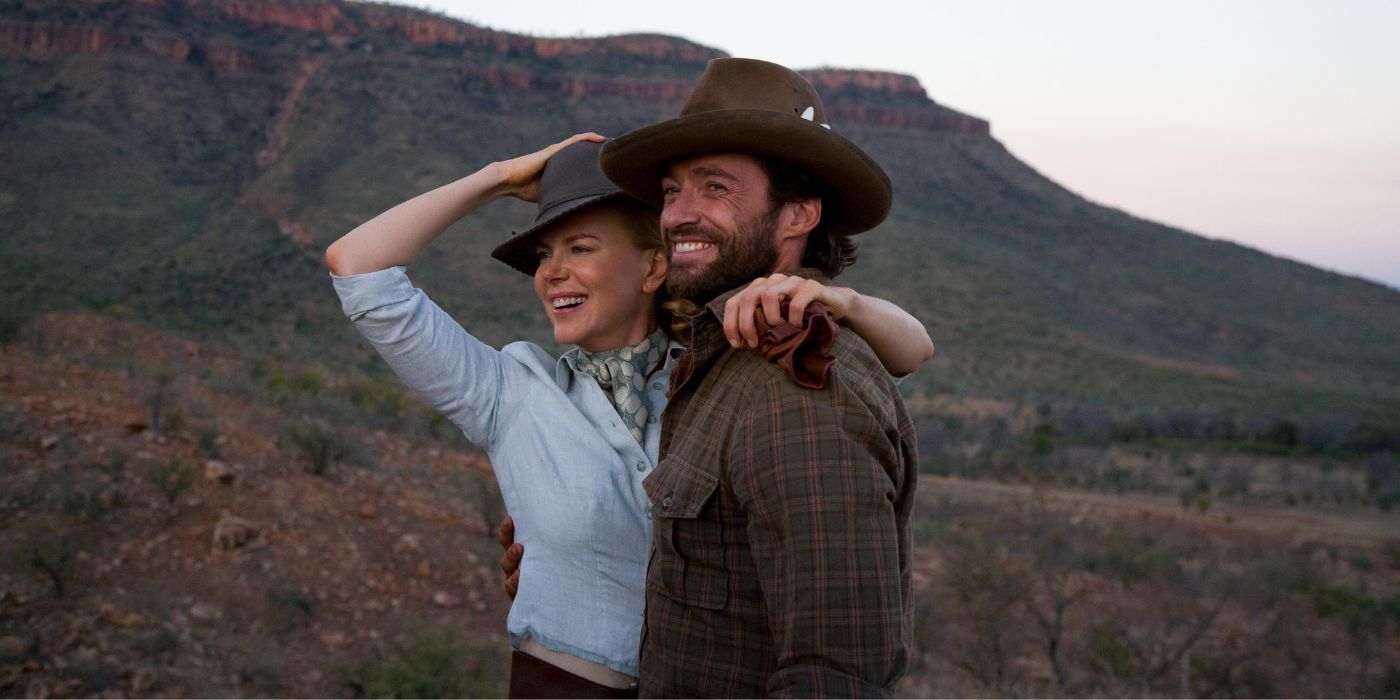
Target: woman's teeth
x=562, y=302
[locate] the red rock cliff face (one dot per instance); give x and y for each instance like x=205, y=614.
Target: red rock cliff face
x=325, y=18
x=430, y=30
x=26, y=39
x=880, y=83
x=17, y=38
x=577, y=87
x=38, y=38
x=921, y=120
x=835, y=79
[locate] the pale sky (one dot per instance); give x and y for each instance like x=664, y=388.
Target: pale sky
x=1273, y=124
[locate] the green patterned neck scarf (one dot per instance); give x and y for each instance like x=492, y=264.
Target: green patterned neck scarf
x=623, y=374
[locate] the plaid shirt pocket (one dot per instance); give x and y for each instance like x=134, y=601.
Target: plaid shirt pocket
x=688, y=561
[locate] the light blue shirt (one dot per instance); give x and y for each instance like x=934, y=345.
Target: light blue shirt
x=569, y=471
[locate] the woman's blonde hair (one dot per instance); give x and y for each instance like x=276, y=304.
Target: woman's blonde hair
x=644, y=229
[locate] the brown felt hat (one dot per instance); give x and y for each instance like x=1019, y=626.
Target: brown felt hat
x=570, y=181
x=742, y=105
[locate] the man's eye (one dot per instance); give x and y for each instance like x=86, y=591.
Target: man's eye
x=715, y=187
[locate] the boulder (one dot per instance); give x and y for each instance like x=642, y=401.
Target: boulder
x=235, y=533
x=222, y=472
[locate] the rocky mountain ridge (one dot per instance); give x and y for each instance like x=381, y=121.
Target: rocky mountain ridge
x=338, y=23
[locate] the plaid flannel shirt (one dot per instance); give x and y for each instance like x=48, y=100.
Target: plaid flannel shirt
x=780, y=547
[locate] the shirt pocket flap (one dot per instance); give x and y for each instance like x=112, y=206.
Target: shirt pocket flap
x=679, y=489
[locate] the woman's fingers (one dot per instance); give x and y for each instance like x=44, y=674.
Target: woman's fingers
x=806, y=293
x=738, y=313
x=523, y=173
x=766, y=295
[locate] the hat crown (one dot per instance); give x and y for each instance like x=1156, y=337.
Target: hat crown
x=570, y=175
x=746, y=83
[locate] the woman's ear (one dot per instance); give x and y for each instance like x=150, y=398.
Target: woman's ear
x=658, y=264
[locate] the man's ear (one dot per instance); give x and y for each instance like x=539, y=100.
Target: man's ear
x=801, y=216
x=658, y=264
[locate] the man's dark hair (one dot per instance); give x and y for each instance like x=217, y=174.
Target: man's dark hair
x=788, y=183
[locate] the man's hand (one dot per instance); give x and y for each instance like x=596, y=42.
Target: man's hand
x=510, y=561
x=766, y=294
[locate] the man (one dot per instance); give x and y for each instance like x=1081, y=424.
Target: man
x=780, y=552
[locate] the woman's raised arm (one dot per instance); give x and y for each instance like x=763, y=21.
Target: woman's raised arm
x=397, y=236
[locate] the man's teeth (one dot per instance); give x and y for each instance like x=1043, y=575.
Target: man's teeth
x=562, y=302
x=691, y=246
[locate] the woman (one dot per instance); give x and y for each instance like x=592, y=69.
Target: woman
x=570, y=438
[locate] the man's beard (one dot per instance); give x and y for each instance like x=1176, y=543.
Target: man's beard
x=752, y=252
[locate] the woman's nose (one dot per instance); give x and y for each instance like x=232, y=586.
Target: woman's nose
x=552, y=269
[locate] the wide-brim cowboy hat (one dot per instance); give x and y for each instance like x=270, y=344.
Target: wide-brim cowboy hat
x=742, y=105
x=570, y=181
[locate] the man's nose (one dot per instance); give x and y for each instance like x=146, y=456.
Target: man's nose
x=678, y=210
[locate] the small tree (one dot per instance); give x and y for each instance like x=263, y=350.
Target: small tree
x=159, y=394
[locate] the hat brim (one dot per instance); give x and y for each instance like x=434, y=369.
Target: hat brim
x=860, y=188
x=518, y=251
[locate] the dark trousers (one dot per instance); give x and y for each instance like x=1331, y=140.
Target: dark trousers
x=532, y=678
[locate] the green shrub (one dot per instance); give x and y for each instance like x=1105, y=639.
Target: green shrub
x=171, y=478
x=12, y=323
x=86, y=502
x=292, y=608
x=1131, y=558
x=52, y=555
x=208, y=442
x=434, y=664
x=1108, y=648
x=321, y=447
x=1042, y=440
x=114, y=468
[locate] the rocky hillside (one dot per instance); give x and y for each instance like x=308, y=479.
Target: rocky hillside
x=183, y=163
x=171, y=527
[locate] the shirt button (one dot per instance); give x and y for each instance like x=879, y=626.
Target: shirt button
x=666, y=502
x=650, y=510
x=656, y=386
x=641, y=466
x=651, y=419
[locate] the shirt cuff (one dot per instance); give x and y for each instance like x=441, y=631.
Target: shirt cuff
x=360, y=294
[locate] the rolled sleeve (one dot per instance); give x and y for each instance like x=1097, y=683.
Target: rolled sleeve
x=463, y=378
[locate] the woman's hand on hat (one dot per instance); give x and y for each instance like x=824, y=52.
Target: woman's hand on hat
x=765, y=296
x=520, y=177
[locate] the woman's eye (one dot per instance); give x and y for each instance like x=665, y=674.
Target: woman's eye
x=541, y=254
x=580, y=249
